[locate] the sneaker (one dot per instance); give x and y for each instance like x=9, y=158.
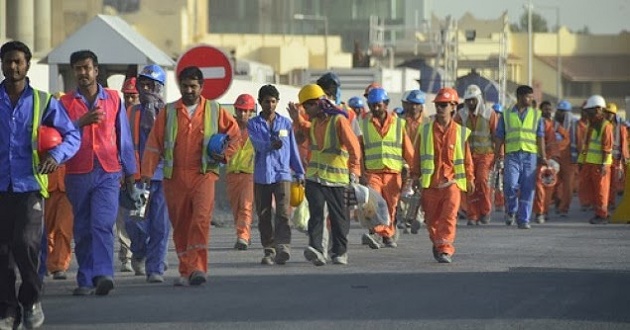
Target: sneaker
x=138, y=266
x=540, y=218
x=597, y=220
x=485, y=219
x=389, y=242
x=370, y=241
x=125, y=267
x=8, y=323
x=59, y=275
x=471, y=223
x=524, y=225
x=340, y=260
x=283, y=254
x=444, y=258
x=83, y=291
x=197, y=278
x=181, y=281
x=241, y=244
x=34, y=316
x=510, y=219
x=269, y=257
x=415, y=226
x=104, y=284
x=155, y=278
x=315, y=257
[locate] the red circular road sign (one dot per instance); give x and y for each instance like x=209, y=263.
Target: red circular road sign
x=215, y=66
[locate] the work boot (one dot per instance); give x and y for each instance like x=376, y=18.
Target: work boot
x=389, y=242
x=125, y=267
x=597, y=220
x=540, y=218
x=34, y=316
x=444, y=258
x=524, y=225
x=138, y=266
x=155, y=278
x=415, y=226
x=241, y=244
x=485, y=219
x=315, y=257
x=283, y=254
x=59, y=275
x=181, y=281
x=341, y=259
x=269, y=257
x=197, y=278
x=370, y=241
x=104, y=284
x=510, y=219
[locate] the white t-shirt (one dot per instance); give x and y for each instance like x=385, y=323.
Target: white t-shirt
x=191, y=109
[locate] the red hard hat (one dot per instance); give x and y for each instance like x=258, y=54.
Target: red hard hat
x=47, y=138
x=371, y=87
x=129, y=87
x=547, y=176
x=245, y=102
x=446, y=94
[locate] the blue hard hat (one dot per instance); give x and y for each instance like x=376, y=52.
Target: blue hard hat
x=377, y=95
x=329, y=78
x=416, y=96
x=153, y=72
x=497, y=107
x=218, y=143
x=398, y=110
x=356, y=102
x=564, y=105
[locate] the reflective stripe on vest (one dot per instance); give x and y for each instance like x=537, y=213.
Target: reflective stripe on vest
x=481, y=140
x=593, y=153
x=243, y=159
x=381, y=152
x=210, y=118
x=328, y=162
x=521, y=135
x=39, y=108
x=427, y=155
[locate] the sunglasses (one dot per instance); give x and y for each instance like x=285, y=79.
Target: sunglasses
x=441, y=105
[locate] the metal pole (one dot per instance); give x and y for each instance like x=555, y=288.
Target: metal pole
x=326, y=41
x=530, y=52
x=559, y=59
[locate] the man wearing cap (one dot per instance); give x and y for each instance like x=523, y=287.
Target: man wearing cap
x=149, y=237
x=446, y=166
x=620, y=153
x=596, y=158
x=482, y=122
x=180, y=140
x=522, y=132
x=567, y=158
x=240, y=178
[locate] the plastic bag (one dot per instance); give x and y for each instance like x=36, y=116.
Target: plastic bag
x=371, y=207
x=300, y=217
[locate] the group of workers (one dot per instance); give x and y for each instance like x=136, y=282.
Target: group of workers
x=106, y=151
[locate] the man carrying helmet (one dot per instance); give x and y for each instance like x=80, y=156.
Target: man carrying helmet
x=334, y=162
x=240, y=179
x=620, y=153
x=386, y=147
x=522, y=132
x=446, y=167
x=567, y=158
x=596, y=158
x=180, y=140
x=482, y=122
x=149, y=237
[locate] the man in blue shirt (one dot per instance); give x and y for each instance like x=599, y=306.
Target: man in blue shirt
x=23, y=183
x=522, y=131
x=276, y=155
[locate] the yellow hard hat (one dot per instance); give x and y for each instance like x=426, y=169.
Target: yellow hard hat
x=611, y=107
x=310, y=92
x=297, y=194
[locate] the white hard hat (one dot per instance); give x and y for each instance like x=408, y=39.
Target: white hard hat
x=595, y=101
x=472, y=91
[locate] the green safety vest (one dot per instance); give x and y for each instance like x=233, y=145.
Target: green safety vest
x=328, y=162
x=39, y=108
x=593, y=154
x=521, y=135
x=381, y=152
x=210, y=118
x=427, y=155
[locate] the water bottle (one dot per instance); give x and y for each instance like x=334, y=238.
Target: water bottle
x=140, y=213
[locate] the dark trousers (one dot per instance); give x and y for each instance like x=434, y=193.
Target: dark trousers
x=317, y=195
x=278, y=233
x=21, y=228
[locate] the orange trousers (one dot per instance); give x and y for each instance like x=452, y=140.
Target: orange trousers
x=499, y=199
x=59, y=220
x=542, y=197
x=440, y=215
x=240, y=191
x=480, y=202
x=617, y=181
x=597, y=187
x=389, y=186
x=565, y=186
x=190, y=200
x=584, y=196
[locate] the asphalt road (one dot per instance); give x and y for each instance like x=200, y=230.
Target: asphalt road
x=564, y=274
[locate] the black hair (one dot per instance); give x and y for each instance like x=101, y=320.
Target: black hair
x=16, y=46
x=523, y=90
x=83, y=55
x=544, y=103
x=268, y=90
x=192, y=73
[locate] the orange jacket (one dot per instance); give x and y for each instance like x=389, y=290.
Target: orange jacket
x=553, y=147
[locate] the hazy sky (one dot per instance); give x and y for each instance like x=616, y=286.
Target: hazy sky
x=601, y=16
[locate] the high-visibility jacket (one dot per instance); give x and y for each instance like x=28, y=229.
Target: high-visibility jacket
x=329, y=162
x=40, y=103
x=381, y=152
x=210, y=127
x=481, y=138
x=243, y=159
x=593, y=152
x=521, y=135
x=427, y=155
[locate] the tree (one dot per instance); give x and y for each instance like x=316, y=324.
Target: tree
x=539, y=23
x=584, y=30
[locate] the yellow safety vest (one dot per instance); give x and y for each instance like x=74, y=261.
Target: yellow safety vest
x=427, y=155
x=39, y=108
x=593, y=153
x=243, y=159
x=328, y=162
x=210, y=118
x=481, y=139
x=381, y=152
x=521, y=135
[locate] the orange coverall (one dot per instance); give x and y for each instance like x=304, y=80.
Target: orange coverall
x=58, y=218
x=597, y=186
x=617, y=175
x=240, y=190
x=553, y=149
x=386, y=181
x=583, y=195
x=189, y=193
x=440, y=205
x=566, y=178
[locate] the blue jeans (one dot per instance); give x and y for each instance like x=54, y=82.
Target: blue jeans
x=519, y=184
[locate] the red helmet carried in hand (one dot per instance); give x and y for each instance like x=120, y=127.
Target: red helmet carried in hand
x=446, y=94
x=47, y=138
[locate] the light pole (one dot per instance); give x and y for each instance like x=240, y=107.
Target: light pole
x=558, y=54
x=530, y=44
x=302, y=17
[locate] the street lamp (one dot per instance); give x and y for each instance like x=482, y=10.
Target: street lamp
x=302, y=17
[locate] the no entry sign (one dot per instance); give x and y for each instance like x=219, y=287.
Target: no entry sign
x=215, y=66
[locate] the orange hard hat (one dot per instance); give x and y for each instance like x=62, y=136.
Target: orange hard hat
x=446, y=94
x=245, y=102
x=371, y=87
x=297, y=194
x=47, y=138
x=129, y=87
